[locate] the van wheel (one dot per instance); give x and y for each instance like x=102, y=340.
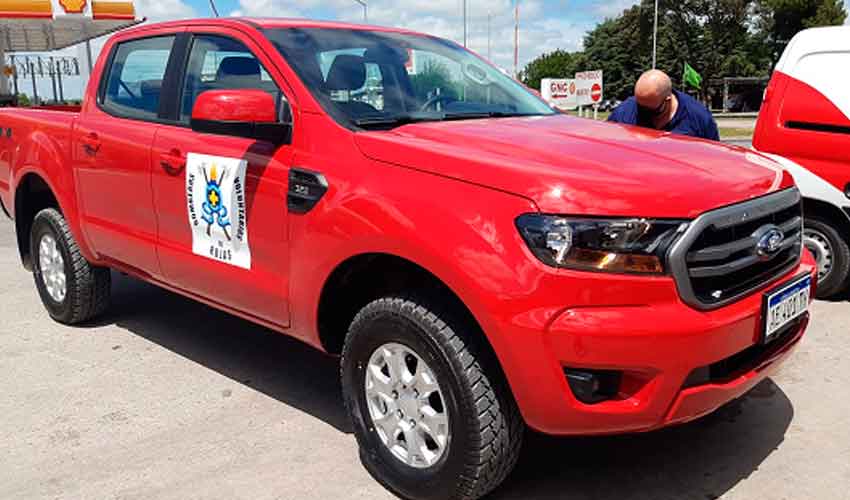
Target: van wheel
x=71, y=289
x=431, y=411
x=831, y=253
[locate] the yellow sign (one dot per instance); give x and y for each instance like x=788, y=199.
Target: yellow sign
x=73, y=6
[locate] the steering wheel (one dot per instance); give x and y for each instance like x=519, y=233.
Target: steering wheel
x=442, y=98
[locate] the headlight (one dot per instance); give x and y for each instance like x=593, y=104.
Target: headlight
x=614, y=245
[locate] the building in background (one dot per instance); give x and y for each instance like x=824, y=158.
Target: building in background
x=49, y=25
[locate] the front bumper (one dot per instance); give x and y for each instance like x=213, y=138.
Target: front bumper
x=659, y=346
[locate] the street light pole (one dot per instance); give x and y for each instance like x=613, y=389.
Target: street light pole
x=516, y=40
x=489, y=44
x=464, y=23
x=655, y=37
x=365, y=10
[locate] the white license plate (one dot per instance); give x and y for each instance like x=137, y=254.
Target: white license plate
x=786, y=304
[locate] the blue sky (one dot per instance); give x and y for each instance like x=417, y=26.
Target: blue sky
x=545, y=25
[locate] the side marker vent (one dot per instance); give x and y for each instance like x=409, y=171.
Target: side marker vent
x=305, y=190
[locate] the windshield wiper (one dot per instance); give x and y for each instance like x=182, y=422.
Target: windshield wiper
x=472, y=115
x=399, y=120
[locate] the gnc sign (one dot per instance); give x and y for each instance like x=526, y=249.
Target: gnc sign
x=559, y=92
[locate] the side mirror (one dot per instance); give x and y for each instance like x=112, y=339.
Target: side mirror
x=242, y=113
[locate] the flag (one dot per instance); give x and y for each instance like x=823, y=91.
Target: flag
x=691, y=77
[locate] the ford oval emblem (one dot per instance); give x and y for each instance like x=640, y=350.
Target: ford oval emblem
x=769, y=241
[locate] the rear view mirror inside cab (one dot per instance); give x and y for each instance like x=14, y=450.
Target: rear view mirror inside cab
x=476, y=74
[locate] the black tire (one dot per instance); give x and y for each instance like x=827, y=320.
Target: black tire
x=835, y=281
x=486, y=427
x=87, y=287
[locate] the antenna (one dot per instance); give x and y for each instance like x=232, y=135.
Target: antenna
x=214, y=9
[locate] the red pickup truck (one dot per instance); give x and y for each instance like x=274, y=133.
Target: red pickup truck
x=479, y=262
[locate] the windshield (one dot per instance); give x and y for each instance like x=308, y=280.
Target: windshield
x=374, y=79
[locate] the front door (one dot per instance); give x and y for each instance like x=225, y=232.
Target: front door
x=112, y=149
x=221, y=200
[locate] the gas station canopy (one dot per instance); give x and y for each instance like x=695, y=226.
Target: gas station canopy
x=44, y=25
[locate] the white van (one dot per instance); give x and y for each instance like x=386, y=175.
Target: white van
x=804, y=124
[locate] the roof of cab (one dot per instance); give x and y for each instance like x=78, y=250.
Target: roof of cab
x=269, y=22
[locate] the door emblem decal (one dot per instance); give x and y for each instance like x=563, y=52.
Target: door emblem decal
x=216, y=206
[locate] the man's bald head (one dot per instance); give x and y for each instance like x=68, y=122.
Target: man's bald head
x=652, y=89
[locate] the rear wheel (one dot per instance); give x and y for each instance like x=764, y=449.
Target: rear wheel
x=831, y=253
x=71, y=289
x=431, y=411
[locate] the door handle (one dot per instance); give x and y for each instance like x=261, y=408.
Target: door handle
x=91, y=144
x=172, y=162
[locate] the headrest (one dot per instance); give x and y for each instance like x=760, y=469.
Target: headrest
x=347, y=72
x=150, y=87
x=238, y=66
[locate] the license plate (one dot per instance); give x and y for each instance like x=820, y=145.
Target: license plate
x=785, y=304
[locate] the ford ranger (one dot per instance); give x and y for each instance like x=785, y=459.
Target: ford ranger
x=480, y=263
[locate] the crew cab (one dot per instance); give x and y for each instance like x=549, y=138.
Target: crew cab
x=479, y=263
x=804, y=124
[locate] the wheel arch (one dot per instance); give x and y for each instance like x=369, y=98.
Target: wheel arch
x=32, y=194
x=364, y=277
x=813, y=207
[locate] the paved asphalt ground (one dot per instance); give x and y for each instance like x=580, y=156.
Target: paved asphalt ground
x=164, y=398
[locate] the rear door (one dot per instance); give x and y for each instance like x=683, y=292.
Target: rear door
x=112, y=148
x=233, y=252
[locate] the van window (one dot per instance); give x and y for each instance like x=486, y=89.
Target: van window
x=134, y=79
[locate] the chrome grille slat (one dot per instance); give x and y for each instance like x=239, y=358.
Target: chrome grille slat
x=721, y=251
x=792, y=225
x=731, y=267
x=716, y=261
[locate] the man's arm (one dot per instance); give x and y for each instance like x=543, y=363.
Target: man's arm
x=711, y=131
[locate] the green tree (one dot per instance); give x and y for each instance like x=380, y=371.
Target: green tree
x=780, y=20
x=434, y=75
x=557, y=64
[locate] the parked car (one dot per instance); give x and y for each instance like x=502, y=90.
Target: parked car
x=804, y=125
x=478, y=262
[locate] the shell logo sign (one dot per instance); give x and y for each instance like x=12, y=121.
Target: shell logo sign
x=73, y=6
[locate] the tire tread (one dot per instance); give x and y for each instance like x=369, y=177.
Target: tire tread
x=91, y=285
x=500, y=427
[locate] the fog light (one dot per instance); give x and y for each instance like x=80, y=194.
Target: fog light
x=593, y=386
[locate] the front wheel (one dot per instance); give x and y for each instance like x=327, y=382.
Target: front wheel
x=431, y=411
x=831, y=253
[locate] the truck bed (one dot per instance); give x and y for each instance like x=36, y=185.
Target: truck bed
x=53, y=123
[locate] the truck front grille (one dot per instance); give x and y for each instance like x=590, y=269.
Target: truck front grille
x=727, y=253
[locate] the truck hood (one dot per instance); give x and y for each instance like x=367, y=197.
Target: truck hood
x=581, y=167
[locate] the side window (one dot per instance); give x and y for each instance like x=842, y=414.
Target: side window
x=217, y=63
x=134, y=80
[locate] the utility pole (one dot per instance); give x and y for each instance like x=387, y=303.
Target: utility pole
x=464, y=23
x=516, y=40
x=489, y=44
x=365, y=10
x=655, y=37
